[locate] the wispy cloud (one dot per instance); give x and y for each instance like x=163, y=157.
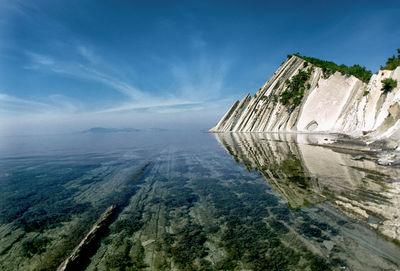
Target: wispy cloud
x=66, y=104
x=16, y=105
x=159, y=107
x=41, y=60
x=194, y=85
x=82, y=70
x=205, y=81
x=193, y=82
x=88, y=54
x=55, y=103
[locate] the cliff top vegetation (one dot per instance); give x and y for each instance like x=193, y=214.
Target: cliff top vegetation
x=329, y=68
x=392, y=62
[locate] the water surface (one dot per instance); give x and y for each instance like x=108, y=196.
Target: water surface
x=196, y=201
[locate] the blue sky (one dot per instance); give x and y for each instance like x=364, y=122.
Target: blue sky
x=71, y=65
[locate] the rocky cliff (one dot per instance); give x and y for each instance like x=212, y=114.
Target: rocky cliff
x=333, y=103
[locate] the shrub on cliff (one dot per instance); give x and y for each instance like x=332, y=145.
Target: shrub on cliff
x=295, y=89
x=392, y=62
x=388, y=85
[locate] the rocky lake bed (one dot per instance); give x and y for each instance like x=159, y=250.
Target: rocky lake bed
x=197, y=201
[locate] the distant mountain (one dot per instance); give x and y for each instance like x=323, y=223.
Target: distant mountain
x=157, y=129
x=111, y=130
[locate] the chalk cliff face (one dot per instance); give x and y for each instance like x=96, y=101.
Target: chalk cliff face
x=337, y=104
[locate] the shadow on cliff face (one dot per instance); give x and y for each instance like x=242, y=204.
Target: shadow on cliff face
x=303, y=173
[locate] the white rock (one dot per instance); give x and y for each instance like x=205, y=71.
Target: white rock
x=338, y=104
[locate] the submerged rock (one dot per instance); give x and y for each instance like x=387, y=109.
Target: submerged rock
x=82, y=250
x=358, y=157
x=388, y=159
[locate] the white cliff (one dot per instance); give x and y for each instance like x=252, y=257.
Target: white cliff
x=337, y=104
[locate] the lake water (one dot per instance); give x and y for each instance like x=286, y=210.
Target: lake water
x=196, y=201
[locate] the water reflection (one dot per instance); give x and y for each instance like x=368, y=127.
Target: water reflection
x=184, y=204
x=304, y=173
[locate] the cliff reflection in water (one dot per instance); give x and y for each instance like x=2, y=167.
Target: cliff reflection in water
x=304, y=173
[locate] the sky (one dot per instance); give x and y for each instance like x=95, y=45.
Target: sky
x=70, y=65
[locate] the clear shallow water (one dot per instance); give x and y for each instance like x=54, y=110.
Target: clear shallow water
x=195, y=201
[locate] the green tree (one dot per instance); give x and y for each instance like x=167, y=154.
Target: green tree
x=392, y=62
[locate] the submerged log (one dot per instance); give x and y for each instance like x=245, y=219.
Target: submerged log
x=84, y=249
